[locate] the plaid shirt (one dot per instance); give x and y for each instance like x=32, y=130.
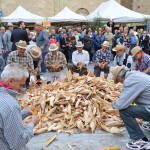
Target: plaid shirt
x=13, y=134
x=102, y=57
x=25, y=60
x=145, y=63
x=59, y=59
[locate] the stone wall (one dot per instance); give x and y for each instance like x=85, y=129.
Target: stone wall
x=48, y=8
x=142, y=6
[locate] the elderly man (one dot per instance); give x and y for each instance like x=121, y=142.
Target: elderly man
x=19, y=56
x=102, y=60
x=121, y=57
x=143, y=60
x=80, y=59
x=134, y=41
x=55, y=62
x=3, y=30
x=136, y=89
x=42, y=42
x=7, y=41
x=14, y=135
x=19, y=34
x=109, y=37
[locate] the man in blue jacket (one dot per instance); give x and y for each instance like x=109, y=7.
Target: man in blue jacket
x=42, y=42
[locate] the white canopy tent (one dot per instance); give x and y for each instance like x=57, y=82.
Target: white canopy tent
x=113, y=10
x=21, y=14
x=67, y=15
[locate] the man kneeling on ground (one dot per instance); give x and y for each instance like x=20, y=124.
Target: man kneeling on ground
x=80, y=59
x=102, y=60
x=55, y=62
x=136, y=89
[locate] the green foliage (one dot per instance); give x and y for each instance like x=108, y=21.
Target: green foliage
x=97, y=23
x=3, y=24
x=147, y=20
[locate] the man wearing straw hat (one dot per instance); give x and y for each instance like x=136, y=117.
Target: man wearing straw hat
x=19, y=56
x=55, y=62
x=102, y=60
x=121, y=57
x=80, y=59
x=136, y=89
x=143, y=60
x=35, y=53
x=7, y=41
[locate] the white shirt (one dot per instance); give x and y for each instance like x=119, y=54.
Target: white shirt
x=121, y=60
x=80, y=57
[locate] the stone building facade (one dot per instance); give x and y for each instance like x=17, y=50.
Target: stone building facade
x=48, y=8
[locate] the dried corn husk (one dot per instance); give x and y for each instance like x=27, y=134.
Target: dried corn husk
x=84, y=102
x=50, y=140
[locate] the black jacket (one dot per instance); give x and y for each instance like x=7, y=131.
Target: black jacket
x=17, y=35
x=88, y=42
x=144, y=43
x=64, y=42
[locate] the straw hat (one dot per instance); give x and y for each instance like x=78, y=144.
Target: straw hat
x=135, y=50
x=106, y=43
x=10, y=24
x=115, y=71
x=22, y=44
x=118, y=48
x=79, y=44
x=35, y=52
x=53, y=47
x=38, y=23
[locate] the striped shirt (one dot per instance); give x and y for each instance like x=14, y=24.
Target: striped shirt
x=51, y=59
x=13, y=134
x=25, y=60
x=136, y=88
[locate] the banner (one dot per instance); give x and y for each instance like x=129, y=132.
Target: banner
x=46, y=24
x=1, y=14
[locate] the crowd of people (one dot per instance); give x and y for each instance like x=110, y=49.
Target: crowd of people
x=23, y=53
x=99, y=47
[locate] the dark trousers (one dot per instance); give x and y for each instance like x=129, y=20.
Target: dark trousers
x=65, y=52
x=97, y=70
x=43, y=69
x=128, y=116
x=35, y=63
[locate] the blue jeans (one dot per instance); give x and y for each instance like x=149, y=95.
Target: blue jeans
x=5, y=56
x=43, y=69
x=128, y=116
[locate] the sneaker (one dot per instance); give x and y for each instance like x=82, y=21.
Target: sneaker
x=140, y=144
x=146, y=126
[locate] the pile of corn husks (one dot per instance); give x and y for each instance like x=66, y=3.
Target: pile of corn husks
x=84, y=102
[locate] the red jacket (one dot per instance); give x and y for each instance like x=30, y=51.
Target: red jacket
x=52, y=41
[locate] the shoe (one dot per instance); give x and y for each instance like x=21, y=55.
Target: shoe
x=91, y=62
x=146, y=126
x=140, y=144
